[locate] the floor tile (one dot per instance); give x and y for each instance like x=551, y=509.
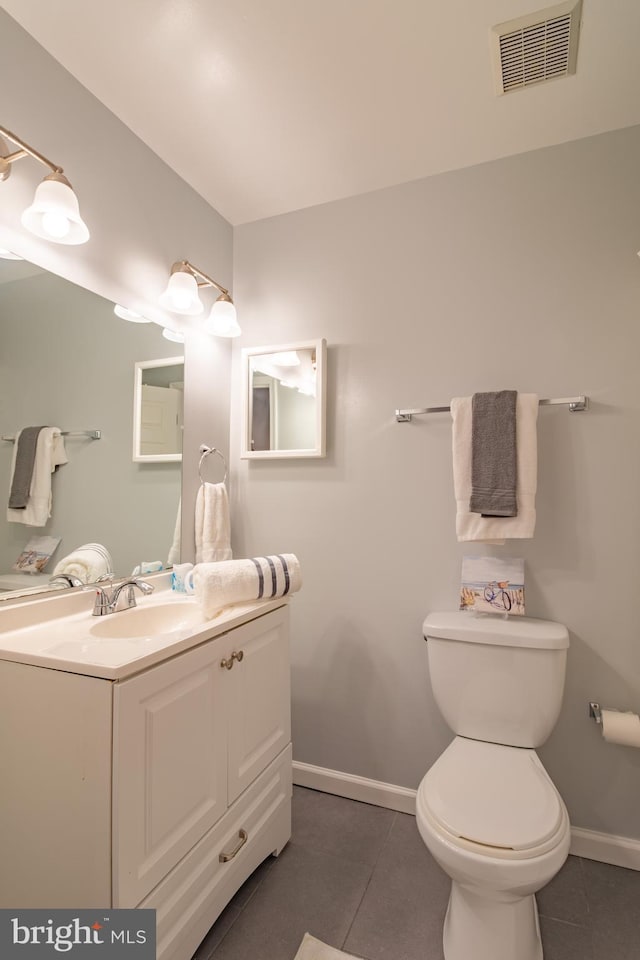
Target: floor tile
x=565, y=897
x=402, y=913
x=565, y=941
x=305, y=891
x=614, y=904
x=345, y=828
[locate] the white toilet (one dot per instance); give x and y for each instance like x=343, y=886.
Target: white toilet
x=487, y=809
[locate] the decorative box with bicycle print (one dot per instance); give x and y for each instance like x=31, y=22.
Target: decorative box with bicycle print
x=493, y=585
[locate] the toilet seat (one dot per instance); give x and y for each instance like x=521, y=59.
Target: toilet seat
x=495, y=800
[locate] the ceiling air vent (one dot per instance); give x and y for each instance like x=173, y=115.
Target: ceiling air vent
x=541, y=46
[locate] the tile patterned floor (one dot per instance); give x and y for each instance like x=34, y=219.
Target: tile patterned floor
x=360, y=878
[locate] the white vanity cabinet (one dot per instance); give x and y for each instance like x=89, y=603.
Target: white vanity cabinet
x=173, y=785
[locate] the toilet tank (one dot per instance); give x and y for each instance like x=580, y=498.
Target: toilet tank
x=497, y=679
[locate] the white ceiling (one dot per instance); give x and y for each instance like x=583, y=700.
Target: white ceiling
x=268, y=106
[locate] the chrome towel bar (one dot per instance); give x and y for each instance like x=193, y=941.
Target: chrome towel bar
x=574, y=403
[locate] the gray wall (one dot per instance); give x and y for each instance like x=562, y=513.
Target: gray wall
x=58, y=366
x=520, y=273
x=141, y=215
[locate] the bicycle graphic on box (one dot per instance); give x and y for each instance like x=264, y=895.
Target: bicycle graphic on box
x=497, y=594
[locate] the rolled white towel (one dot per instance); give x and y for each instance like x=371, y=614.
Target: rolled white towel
x=88, y=563
x=225, y=582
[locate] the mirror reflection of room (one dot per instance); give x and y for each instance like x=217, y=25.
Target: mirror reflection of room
x=158, y=409
x=68, y=361
x=284, y=393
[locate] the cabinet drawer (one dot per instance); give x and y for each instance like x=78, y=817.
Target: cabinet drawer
x=193, y=895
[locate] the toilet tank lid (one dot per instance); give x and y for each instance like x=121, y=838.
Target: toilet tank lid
x=495, y=629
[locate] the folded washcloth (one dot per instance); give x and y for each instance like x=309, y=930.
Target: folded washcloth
x=23, y=464
x=174, y=549
x=493, y=454
x=218, y=585
x=88, y=563
x=50, y=453
x=212, y=524
x=472, y=526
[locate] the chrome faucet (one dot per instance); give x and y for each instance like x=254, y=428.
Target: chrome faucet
x=68, y=579
x=106, y=603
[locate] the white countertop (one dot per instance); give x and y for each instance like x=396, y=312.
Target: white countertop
x=60, y=632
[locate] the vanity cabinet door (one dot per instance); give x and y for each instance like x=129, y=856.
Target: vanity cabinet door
x=258, y=697
x=170, y=766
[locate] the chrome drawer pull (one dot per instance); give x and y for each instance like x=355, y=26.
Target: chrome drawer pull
x=234, y=656
x=225, y=857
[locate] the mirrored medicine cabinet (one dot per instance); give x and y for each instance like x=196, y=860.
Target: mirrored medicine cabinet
x=284, y=400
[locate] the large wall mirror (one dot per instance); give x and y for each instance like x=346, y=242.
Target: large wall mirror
x=158, y=410
x=284, y=400
x=68, y=361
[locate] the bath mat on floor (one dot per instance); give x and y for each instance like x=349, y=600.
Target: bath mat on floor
x=312, y=949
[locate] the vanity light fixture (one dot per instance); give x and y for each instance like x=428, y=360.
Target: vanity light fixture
x=129, y=315
x=54, y=213
x=181, y=296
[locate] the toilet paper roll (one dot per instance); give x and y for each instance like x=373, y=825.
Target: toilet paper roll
x=621, y=728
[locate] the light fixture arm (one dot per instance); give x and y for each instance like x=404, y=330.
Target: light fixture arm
x=24, y=151
x=201, y=278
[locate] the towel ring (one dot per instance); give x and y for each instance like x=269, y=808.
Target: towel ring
x=205, y=451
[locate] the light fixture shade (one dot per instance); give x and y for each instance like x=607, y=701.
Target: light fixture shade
x=129, y=315
x=181, y=295
x=287, y=358
x=173, y=335
x=54, y=213
x=222, y=321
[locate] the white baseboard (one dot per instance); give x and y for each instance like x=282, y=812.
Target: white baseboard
x=605, y=847
x=355, y=788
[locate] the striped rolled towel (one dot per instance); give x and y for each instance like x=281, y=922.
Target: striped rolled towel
x=221, y=584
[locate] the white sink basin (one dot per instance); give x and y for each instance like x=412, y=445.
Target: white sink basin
x=151, y=621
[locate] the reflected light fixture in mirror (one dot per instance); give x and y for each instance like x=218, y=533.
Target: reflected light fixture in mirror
x=174, y=335
x=129, y=315
x=181, y=296
x=54, y=214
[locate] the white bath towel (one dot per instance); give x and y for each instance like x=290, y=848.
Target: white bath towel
x=174, y=549
x=213, y=527
x=50, y=453
x=219, y=585
x=473, y=526
x=87, y=563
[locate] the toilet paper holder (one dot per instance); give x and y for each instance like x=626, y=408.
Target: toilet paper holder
x=595, y=711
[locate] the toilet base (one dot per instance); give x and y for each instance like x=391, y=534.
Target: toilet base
x=486, y=929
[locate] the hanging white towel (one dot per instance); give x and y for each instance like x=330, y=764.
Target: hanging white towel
x=213, y=528
x=50, y=453
x=218, y=585
x=473, y=526
x=174, y=549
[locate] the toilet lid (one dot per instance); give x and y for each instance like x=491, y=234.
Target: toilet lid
x=493, y=795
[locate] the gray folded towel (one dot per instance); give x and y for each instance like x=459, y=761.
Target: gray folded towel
x=493, y=454
x=23, y=469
